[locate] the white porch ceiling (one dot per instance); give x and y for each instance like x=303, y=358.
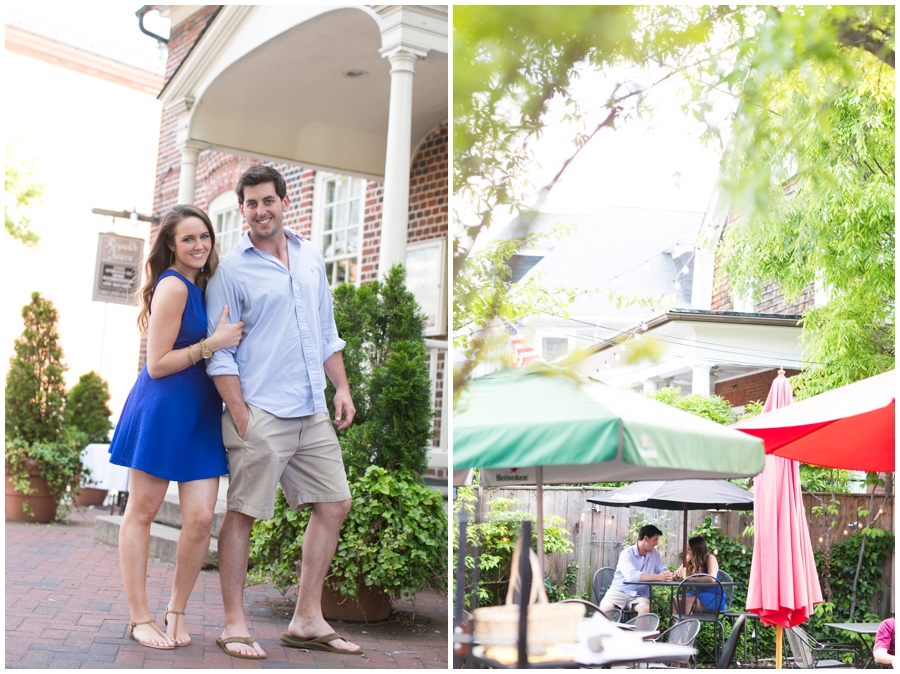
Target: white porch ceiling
x=288, y=98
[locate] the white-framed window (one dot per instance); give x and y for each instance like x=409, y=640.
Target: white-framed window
x=426, y=273
x=338, y=208
x=227, y=221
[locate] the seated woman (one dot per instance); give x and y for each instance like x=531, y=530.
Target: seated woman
x=698, y=559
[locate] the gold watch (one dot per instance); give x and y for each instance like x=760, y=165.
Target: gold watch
x=204, y=350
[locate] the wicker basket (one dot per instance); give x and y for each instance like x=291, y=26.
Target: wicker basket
x=547, y=623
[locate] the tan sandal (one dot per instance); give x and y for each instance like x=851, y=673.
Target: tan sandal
x=131, y=627
x=166, y=621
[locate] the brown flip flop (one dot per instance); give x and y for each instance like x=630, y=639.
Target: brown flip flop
x=317, y=644
x=243, y=640
x=131, y=627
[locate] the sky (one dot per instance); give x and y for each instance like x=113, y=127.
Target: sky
x=106, y=28
x=657, y=161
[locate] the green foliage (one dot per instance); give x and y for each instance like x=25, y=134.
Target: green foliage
x=59, y=462
x=559, y=592
x=714, y=408
x=637, y=520
x=387, y=368
x=86, y=407
x=22, y=194
x=35, y=391
x=496, y=537
x=394, y=538
x=844, y=558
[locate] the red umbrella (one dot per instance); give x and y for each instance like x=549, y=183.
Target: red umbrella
x=851, y=427
x=784, y=583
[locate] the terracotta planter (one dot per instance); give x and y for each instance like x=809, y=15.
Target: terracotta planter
x=42, y=502
x=372, y=605
x=91, y=496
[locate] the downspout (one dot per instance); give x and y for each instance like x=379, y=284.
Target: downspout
x=140, y=15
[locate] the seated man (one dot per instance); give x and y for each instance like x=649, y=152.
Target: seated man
x=884, y=644
x=639, y=562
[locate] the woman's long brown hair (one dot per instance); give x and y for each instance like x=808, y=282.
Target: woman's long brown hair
x=699, y=552
x=162, y=257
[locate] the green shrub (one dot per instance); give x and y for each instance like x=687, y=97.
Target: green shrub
x=86, y=407
x=497, y=537
x=394, y=538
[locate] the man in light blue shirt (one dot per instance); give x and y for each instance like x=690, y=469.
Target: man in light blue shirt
x=277, y=428
x=639, y=562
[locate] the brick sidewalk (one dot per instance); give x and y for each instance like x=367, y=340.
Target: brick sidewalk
x=65, y=608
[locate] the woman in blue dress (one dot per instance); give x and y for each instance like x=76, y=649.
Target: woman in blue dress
x=698, y=559
x=170, y=427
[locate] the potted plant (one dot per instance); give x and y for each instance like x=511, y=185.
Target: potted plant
x=394, y=541
x=87, y=410
x=42, y=461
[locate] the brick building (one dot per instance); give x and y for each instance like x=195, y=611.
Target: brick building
x=710, y=340
x=350, y=104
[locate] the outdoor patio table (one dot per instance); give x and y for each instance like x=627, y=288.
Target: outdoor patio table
x=579, y=655
x=671, y=584
x=859, y=629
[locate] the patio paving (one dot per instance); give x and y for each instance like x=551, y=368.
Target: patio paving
x=65, y=608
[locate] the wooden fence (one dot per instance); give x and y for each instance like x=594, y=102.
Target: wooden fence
x=599, y=533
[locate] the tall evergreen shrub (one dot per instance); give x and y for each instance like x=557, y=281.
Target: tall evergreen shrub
x=387, y=368
x=35, y=391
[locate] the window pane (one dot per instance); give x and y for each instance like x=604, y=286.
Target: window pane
x=352, y=240
x=340, y=218
x=329, y=217
x=341, y=273
x=329, y=271
x=354, y=212
x=342, y=188
x=327, y=248
x=352, y=271
x=356, y=188
x=329, y=192
x=339, y=242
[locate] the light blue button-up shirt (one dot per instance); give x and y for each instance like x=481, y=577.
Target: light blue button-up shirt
x=289, y=329
x=632, y=566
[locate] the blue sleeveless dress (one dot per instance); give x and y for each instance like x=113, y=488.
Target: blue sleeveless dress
x=171, y=427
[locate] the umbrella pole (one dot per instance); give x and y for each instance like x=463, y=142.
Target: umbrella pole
x=778, y=631
x=684, y=539
x=539, y=473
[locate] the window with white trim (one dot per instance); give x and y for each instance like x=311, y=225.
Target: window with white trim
x=227, y=221
x=339, y=204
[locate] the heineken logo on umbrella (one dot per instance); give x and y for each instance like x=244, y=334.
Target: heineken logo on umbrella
x=645, y=450
x=513, y=475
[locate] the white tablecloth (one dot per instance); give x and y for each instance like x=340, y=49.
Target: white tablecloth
x=104, y=475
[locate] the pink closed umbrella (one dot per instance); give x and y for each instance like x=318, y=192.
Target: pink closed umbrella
x=784, y=583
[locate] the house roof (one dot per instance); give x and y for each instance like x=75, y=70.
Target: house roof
x=632, y=251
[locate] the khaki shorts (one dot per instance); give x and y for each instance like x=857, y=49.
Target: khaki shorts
x=301, y=453
x=622, y=600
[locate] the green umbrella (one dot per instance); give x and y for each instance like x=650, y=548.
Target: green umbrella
x=541, y=425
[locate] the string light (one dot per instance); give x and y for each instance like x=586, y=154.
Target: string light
x=643, y=326
x=677, y=285
x=685, y=269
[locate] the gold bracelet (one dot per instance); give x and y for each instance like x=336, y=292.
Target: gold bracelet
x=191, y=354
x=204, y=349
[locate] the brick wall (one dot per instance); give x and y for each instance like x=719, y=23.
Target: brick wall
x=428, y=184
x=739, y=392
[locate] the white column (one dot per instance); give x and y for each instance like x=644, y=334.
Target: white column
x=187, y=177
x=395, y=211
x=700, y=380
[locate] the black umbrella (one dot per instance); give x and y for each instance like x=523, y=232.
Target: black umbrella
x=679, y=495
